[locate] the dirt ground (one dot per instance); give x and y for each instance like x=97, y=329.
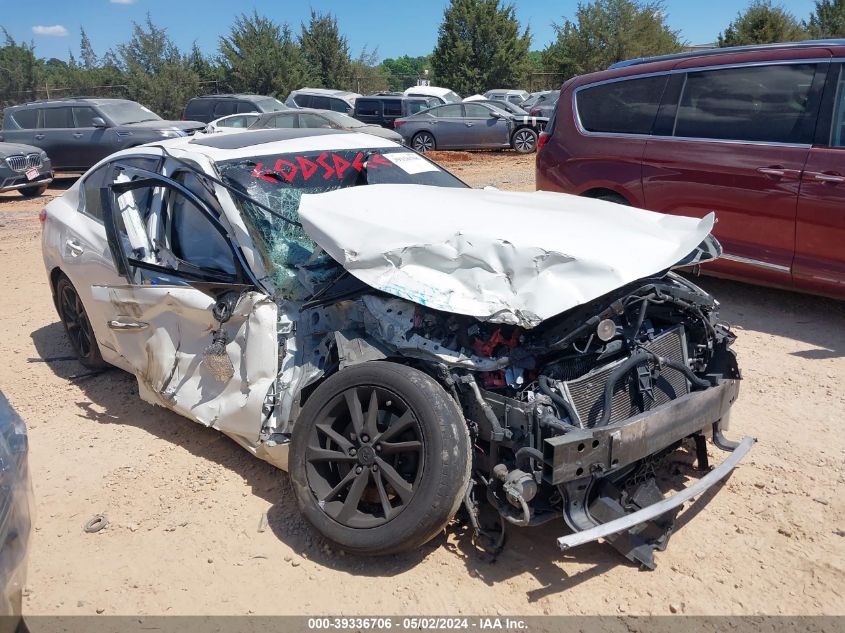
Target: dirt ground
x=185, y=504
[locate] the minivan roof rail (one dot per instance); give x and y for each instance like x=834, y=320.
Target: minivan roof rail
x=730, y=49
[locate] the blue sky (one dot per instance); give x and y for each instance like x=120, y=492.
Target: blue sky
x=394, y=27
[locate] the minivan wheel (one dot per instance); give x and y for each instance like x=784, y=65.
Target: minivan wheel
x=31, y=192
x=614, y=198
x=380, y=458
x=524, y=141
x=423, y=142
x=77, y=325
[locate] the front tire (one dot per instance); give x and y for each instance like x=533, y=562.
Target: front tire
x=423, y=142
x=31, y=192
x=524, y=140
x=77, y=325
x=380, y=458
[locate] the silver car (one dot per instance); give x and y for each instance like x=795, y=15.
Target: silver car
x=320, y=119
x=467, y=126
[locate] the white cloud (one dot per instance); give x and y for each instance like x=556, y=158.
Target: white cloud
x=56, y=30
x=122, y=1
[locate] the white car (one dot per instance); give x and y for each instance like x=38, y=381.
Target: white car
x=345, y=309
x=444, y=94
x=232, y=122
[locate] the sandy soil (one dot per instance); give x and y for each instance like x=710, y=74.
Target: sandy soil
x=185, y=504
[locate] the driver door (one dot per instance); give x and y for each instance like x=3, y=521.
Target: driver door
x=188, y=293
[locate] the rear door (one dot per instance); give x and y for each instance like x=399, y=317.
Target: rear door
x=55, y=135
x=449, y=128
x=736, y=143
x=820, y=232
x=188, y=317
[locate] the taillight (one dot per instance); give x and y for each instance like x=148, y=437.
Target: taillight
x=42, y=216
x=398, y=122
x=541, y=140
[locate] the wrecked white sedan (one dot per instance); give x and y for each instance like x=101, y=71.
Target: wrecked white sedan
x=405, y=346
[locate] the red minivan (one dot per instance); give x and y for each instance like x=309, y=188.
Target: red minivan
x=756, y=134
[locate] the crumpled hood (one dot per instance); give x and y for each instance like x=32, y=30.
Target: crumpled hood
x=516, y=258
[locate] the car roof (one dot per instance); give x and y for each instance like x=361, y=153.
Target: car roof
x=327, y=91
x=233, y=95
x=249, y=143
x=726, y=50
x=435, y=91
x=71, y=101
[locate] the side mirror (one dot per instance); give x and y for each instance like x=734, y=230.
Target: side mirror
x=98, y=122
x=495, y=115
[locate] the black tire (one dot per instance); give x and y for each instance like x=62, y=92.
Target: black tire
x=31, y=192
x=426, y=435
x=613, y=197
x=423, y=142
x=77, y=326
x=524, y=140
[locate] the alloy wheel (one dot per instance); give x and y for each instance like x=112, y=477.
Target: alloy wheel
x=424, y=142
x=364, y=457
x=524, y=141
x=76, y=321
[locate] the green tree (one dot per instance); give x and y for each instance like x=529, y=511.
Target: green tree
x=261, y=56
x=159, y=75
x=86, y=51
x=480, y=45
x=18, y=70
x=326, y=51
x=608, y=31
x=828, y=19
x=403, y=72
x=762, y=23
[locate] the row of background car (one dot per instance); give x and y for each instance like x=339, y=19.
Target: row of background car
x=426, y=117
x=72, y=134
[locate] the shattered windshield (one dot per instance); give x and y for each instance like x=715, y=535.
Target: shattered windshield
x=297, y=266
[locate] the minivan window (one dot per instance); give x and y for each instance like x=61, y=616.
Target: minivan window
x=367, y=107
x=319, y=102
x=754, y=103
x=621, y=107
x=224, y=108
x=392, y=108
x=837, y=136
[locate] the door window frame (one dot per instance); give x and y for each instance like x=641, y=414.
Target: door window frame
x=125, y=264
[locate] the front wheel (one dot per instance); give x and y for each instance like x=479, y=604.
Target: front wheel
x=524, y=141
x=380, y=458
x=423, y=142
x=31, y=192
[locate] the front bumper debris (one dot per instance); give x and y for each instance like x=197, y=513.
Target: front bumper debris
x=655, y=510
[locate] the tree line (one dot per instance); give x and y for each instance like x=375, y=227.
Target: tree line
x=480, y=45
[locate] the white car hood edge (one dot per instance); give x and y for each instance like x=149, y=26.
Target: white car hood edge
x=505, y=257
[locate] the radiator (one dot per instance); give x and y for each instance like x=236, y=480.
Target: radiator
x=587, y=392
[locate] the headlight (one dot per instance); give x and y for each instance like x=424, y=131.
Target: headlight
x=171, y=133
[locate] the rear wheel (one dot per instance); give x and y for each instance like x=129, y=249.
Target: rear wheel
x=31, y=192
x=423, y=142
x=524, y=140
x=380, y=458
x=77, y=325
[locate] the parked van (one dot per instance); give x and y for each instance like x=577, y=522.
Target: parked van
x=208, y=108
x=756, y=134
x=323, y=99
x=385, y=109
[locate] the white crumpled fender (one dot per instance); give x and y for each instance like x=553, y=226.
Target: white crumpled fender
x=506, y=257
